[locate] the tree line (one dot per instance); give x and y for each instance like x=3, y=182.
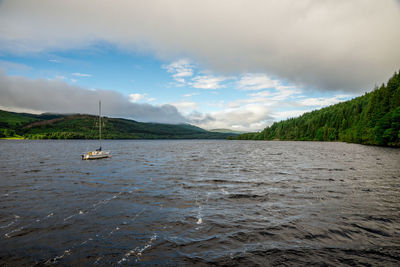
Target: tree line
x=371, y=119
x=47, y=126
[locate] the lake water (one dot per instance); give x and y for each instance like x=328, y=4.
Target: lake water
x=199, y=202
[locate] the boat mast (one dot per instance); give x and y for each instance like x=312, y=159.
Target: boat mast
x=100, y=122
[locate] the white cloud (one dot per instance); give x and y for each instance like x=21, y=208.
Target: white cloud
x=319, y=101
x=276, y=91
x=137, y=97
x=256, y=81
x=323, y=101
x=306, y=105
x=286, y=92
x=280, y=94
x=252, y=100
x=282, y=115
x=208, y=82
x=180, y=69
x=77, y=74
x=183, y=72
x=218, y=104
x=185, y=106
x=251, y=117
x=23, y=110
x=190, y=95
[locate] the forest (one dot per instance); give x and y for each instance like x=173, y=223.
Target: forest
x=80, y=126
x=371, y=119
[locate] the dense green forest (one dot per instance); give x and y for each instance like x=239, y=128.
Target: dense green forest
x=372, y=119
x=53, y=126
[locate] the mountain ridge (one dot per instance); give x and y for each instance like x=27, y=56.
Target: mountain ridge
x=85, y=126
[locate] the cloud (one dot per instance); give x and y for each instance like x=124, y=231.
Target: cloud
x=137, y=97
x=180, y=69
x=185, y=106
x=323, y=101
x=251, y=117
x=256, y=81
x=327, y=45
x=262, y=108
x=276, y=90
x=77, y=74
x=197, y=118
x=20, y=93
x=208, y=82
x=7, y=65
x=183, y=72
x=282, y=115
x=191, y=94
x=279, y=93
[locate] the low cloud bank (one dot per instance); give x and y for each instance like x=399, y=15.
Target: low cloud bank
x=21, y=94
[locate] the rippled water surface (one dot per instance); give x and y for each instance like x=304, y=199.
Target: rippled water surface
x=199, y=202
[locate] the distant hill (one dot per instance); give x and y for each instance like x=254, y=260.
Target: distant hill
x=226, y=131
x=78, y=126
x=372, y=119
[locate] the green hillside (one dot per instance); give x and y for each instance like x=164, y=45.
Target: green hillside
x=226, y=131
x=372, y=119
x=11, y=118
x=53, y=126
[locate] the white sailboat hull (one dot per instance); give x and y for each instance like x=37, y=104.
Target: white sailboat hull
x=96, y=155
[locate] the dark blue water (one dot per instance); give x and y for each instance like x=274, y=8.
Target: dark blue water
x=199, y=202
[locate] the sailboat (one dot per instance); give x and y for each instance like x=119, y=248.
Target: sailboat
x=98, y=153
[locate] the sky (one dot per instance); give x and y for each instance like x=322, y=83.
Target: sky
x=227, y=64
